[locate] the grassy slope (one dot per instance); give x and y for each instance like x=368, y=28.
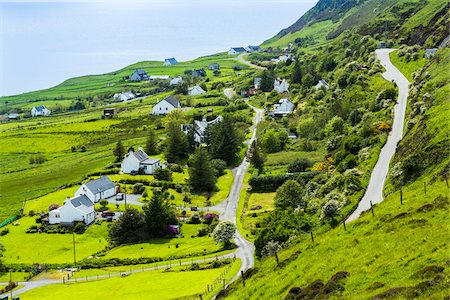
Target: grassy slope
x=384, y=251
x=408, y=68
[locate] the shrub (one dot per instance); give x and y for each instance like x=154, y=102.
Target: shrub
x=194, y=219
x=4, y=232
x=202, y=232
x=79, y=227
x=163, y=174
x=31, y=213
x=103, y=202
x=83, y=148
x=53, y=206
x=219, y=165
x=138, y=188
x=299, y=165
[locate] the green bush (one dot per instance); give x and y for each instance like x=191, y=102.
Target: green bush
x=299, y=165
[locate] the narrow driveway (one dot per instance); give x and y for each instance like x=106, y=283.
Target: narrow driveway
x=242, y=59
x=374, y=190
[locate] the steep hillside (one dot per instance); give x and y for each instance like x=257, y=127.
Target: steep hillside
x=410, y=21
x=402, y=251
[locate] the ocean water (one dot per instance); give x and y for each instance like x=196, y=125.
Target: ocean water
x=44, y=43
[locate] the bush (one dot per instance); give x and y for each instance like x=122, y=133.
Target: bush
x=53, y=206
x=4, y=232
x=163, y=174
x=202, y=232
x=31, y=213
x=176, y=168
x=138, y=188
x=299, y=165
x=79, y=227
x=195, y=219
x=219, y=165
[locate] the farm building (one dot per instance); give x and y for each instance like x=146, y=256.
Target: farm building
x=214, y=66
x=95, y=190
x=282, y=108
x=199, y=127
x=166, y=105
x=199, y=73
x=236, y=50
x=108, y=113
x=253, y=49
x=159, y=77
x=176, y=80
x=196, y=90
x=13, y=116
x=280, y=85
x=123, y=97
x=135, y=162
x=139, y=75
x=40, y=111
x=77, y=209
x=170, y=61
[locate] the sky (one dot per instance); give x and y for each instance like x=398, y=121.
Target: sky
x=44, y=43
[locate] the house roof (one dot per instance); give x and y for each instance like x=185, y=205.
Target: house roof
x=172, y=100
x=140, y=72
x=254, y=48
x=81, y=200
x=100, y=184
x=197, y=89
x=171, y=60
x=284, y=106
x=40, y=108
x=239, y=49
x=143, y=158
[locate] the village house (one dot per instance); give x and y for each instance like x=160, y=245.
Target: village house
x=281, y=58
x=195, y=91
x=198, y=73
x=322, y=84
x=236, y=50
x=123, y=97
x=13, y=116
x=166, y=105
x=199, y=127
x=280, y=85
x=170, y=61
x=77, y=209
x=139, y=75
x=98, y=189
x=429, y=53
x=253, y=49
x=139, y=162
x=214, y=67
x=257, y=83
x=176, y=80
x=40, y=111
x=159, y=77
x=282, y=108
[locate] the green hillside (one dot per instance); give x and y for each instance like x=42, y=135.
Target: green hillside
x=402, y=251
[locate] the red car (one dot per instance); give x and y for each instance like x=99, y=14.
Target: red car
x=108, y=214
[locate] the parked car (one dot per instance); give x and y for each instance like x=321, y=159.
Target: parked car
x=108, y=214
x=119, y=197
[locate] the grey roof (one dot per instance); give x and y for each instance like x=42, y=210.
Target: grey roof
x=140, y=155
x=255, y=48
x=81, y=200
x=173, y=101
x=141, y=72
x=239, y=49
x=150, y=161
x=100, y=184
x=40, y=107
x=171, y=60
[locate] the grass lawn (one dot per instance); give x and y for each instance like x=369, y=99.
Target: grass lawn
x=408, y=68
x=41, y=204
x=28, y=248
x=148, y=285
x=167, y=248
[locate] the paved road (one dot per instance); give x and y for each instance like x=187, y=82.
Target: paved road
x=241, y=59
x=131, y=199
x=374, y=190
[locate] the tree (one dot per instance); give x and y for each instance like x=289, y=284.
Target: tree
x=192, y=143
x=224, y=232
x=330, y=210
x=299, y=165
x=159, y=213
x=274, y=140
x=202, y=175
x=2, y=249
x=335, y=126
x=182, y=88
x=272, y=248
x=308, y=80
x=129, y=227
x=176, y=143
x=296, y=73
x=223, y=142
x=163, y=174
x=219, y=165
x=256, y=157
x=151, y=147
x=289, y=196
x=103, y=203
x=267, y=79
x=119, y=151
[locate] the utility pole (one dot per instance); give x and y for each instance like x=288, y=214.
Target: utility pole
x=74, y=250
x=10, y=281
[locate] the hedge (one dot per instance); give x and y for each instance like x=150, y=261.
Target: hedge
x=270, y=183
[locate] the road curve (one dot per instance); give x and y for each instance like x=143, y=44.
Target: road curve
x=241, y=59
x=374, y=190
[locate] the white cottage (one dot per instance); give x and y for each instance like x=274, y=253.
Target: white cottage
x=281, y=85
x=170, y=61
x=236, y=50
x=135, y=161
x=100, y=188
x=195, y=91
x=77, y=209
x=283, y=108
x=166, y=105
x=322, y=84
x=40, y=111
x=176, y=80
x=123, y=97
x=200, y=127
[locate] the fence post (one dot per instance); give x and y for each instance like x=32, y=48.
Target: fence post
x=371, y=208
x=343, y=222
x=446, y=181
x=425, y=187
x=401, y=196
x=312, y=237
x=243, y=278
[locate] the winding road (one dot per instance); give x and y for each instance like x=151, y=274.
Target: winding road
x=241, y=59
x=374, y=191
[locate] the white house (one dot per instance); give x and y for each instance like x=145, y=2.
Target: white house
x=196, y=90
x=135, y=161
x=281, y=85
x=257, y=82
x=176, y=80
x=236, y=50
x=98, y=189
x=170, y=61
x=125, y=96
x=283, y=108
x=200, y=127
x=77, y=209
x=322, y=84
x=139, y=75
x=166, y=105
x=253, y=49
x=160, y=77
x=40, y=111
x=429, y=53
